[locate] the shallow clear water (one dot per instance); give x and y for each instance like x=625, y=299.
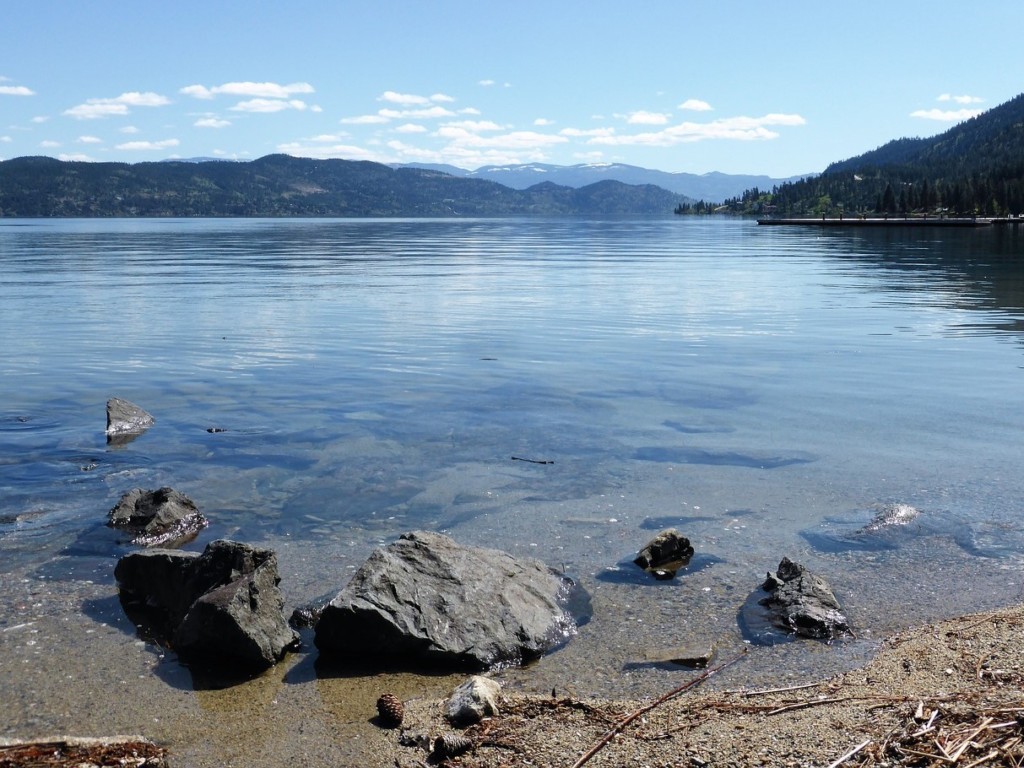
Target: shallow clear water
x=762, y=389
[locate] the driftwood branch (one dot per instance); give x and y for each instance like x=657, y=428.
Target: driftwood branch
x=617, y=728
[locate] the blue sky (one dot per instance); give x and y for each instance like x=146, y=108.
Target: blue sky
x=739, y=87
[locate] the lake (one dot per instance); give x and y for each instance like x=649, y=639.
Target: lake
x=764, y=390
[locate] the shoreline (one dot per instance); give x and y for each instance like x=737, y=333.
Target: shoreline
x=296, y=715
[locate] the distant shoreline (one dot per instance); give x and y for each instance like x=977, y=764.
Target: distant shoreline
x=857, y=221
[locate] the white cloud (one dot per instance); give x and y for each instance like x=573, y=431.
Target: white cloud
x=410, y=128
x=89, y=140
x=148, y=145
x=16, y=90
x=578, y=133
x=97, y=108
x=49, y=144
x=211, y=122
x=428, y=113
x=474, y=125
x=254, y=90
x=542, y=122
x=75, y=157
x=731, y=128
x=129, y=129
x=40, y=119
x=695, y=105
x=325, y=150
x=6, y=139
x=485, y=83
x=269, y=105
x=405, y=99
x=441, y=97
x=365, y=120
x=961, y=99
x=946, y=115
x=643, y=117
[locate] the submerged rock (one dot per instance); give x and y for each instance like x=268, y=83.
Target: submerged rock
x=427, y=599
x=126, y=420
x=223, y=607
x=889, y=515
x=665, y=554
x=803, y=603
x=163, y=517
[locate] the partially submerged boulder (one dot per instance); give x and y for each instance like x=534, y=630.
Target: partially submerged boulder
x=427, y=599
x=163, y=517
x=223, y=607
x=803, y=603
x=665, y=554
x=126, y=420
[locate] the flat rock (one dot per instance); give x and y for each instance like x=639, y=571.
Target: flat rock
x=425, y=599
x=163, y=517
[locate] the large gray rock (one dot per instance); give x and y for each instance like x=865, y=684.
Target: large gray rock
x=803, y=603
x=163, y=517
x=425, y=598
x=125, y=420
x=223, y=607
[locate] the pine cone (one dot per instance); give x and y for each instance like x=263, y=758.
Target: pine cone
x=390, y=709
x=450, y=745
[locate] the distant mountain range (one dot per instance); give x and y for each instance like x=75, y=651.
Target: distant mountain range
x=280, y=185
x=711, y=187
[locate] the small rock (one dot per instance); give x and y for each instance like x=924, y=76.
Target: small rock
x=665, y=554
x=163, y=517
x=473, y=700
x=803, y=603
x=125, y=420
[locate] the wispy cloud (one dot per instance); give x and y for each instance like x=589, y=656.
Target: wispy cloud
x=89, y=140
x=696, y=105
x=211, y=122
x=269, y=105
x=946, y=115
x=248, y=89
x=960, y=99
x=643, y=117
x=119, y=105
x=739, y=128
x=135, y=146
x=950, y=115
x=16, y=90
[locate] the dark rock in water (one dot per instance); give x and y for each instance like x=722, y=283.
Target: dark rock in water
x=223, y=607
x=665, y=554
x=163, y=517
x=126, y=421
x=803, y=603
x=308, y=614
x=426, y=599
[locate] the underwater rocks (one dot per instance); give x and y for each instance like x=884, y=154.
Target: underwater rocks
x=803, y=603
x=126, y=421
x=222, y=608
x=426, y=599
x=163, y=517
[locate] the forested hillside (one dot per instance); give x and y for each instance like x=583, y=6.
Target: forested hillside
x=975, y=168
x=279, y=185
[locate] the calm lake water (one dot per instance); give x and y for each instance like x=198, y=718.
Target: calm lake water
x=764, y=390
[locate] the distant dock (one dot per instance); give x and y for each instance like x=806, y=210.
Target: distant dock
x=917, y=221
